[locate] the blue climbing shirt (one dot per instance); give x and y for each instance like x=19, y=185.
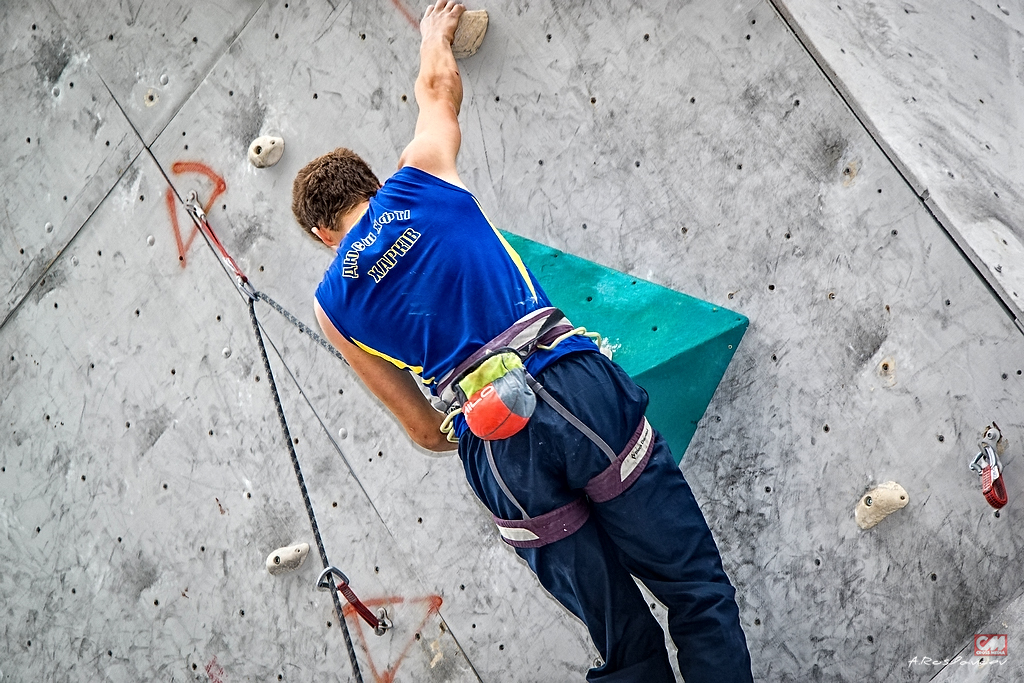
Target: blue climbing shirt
x=423, y=280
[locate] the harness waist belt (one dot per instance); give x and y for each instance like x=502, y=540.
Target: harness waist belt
x=542, y=326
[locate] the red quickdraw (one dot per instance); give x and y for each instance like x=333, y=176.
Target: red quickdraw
x=195, y=209
x=378, y=622
x=987, y=465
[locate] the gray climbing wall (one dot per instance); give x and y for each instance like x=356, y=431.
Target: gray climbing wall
x=939, y=86
x=144, y=477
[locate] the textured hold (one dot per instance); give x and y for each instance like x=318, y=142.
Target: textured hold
x=879, y=503
x=266, y=150
x=287, y=559
x=470, y=33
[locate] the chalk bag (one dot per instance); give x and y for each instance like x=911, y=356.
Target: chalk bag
x=496, y=398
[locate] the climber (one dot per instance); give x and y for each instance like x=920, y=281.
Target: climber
x=551, y=433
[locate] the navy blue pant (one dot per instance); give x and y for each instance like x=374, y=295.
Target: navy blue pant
x=654, y=531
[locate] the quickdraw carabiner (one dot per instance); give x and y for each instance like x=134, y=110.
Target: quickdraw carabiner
x=378, y=622
x=986, y=465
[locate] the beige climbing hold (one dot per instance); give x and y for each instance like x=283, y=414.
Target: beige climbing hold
x=266, y=150
x=287, y=559
x=470, y=33
x=879, y=503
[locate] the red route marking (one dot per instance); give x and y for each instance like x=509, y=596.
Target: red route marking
x=433, y=603
x=215, y=671
x=219, y=188
x=406, y=12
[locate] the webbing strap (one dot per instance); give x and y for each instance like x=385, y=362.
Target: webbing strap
x=195, y=210
x=570, y=418
x=626, y=467
x=986, y=464
x=547, y=528
x=501, y=482
x=992, y=486
x=364, y=611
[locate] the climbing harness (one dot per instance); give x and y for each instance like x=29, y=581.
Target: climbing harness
x=379, y=622
x=987, y=466
x=543, y=329
x=462, y=390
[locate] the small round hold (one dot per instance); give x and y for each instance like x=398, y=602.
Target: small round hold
x=74, y=260
x=266, y=150
x=150, y=240
x=163, y=79
x=226, y=352
x=48, y=226
x=56, y=91
x=342, y=433
x=287, y=559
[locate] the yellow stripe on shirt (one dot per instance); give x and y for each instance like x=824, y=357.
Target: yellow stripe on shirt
x=516, y=259
x=418, y=369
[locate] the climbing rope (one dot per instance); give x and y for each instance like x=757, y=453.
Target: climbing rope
x=300, y=325
x=379, y=622
x=195, y=210
x=302, y=487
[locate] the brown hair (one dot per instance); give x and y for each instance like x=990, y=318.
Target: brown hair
x=328, y=187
